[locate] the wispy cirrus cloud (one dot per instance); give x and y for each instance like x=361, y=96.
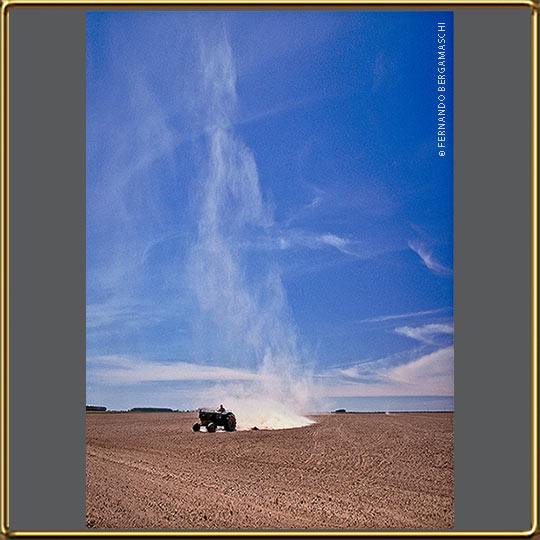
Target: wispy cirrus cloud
x=126, y=370
x=426, y=333
x=435, y=370
x=341, y=244
x=414, y=314
x=429, y=260
x=426, y=370
x=107, y=314
x=427, y=374
x=430, y=374
x=297, y=239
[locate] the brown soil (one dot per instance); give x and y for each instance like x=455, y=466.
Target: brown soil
x=347, y=471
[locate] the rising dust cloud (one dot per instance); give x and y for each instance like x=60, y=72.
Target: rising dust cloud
x=251, y=316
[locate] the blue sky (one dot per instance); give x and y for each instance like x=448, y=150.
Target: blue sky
x=264, y=192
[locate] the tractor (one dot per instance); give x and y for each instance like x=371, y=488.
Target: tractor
x=211, y=419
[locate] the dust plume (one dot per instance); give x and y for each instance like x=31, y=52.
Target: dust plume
x=242, y=301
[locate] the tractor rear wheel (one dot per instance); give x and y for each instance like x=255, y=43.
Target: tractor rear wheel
x=211, y=427
x=230, y=423
x=196, y=426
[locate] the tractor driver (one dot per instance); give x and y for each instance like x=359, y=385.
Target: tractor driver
x=221, y=408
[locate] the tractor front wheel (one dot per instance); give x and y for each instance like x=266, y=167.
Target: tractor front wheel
x=230, y=423
x=196, y=426
x=211, y=427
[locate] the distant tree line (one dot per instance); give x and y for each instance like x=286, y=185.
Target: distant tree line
x=150, y=409
x=96, y=408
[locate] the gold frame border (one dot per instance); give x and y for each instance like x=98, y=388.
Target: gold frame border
x=534, y=5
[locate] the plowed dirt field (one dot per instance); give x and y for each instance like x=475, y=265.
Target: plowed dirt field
x=346, y=471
